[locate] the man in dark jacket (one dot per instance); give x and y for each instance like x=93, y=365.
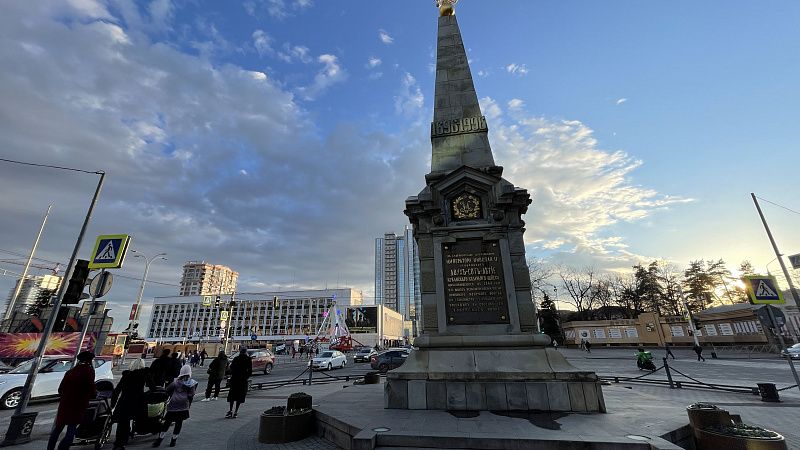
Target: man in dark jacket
x=160, y=368
x=241, y=370
x=174, y=367
x=75, y=390
x=216, y=373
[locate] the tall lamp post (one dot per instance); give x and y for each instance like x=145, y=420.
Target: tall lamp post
x=148, y=261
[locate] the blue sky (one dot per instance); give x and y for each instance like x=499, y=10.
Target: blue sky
x=280, y=137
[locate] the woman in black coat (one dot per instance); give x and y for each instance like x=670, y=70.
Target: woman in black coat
x=241, y=369
x=128, y=399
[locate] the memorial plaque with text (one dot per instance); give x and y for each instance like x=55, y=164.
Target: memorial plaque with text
x=474, y=286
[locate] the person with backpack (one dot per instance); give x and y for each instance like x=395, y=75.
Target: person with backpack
x=181, y=393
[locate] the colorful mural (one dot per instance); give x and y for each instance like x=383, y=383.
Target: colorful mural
x=24, y=345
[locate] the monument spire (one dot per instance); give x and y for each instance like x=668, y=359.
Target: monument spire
x=459, y=133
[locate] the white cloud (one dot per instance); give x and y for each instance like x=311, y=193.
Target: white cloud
x=263, y=42
x=517, y=69
x=579, y=189
x=292, y=53
x=515, y=103
x=621, y=100
x=278, y=9
x=330, y=74
x=373, y=62
x=161, y=12
x=410, y=100
x=385, y=37
x=483, y=73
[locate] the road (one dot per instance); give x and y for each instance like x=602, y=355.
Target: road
x=611, y=362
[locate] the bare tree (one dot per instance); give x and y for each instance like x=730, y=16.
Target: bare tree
x=623, y=292
x=670, y=276
x=580, y=287
x=539, y=272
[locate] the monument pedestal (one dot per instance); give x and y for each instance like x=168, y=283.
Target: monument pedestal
x=495, y=373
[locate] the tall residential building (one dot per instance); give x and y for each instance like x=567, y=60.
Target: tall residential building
x=397, y=273
x=201, y=278
x=31, y=287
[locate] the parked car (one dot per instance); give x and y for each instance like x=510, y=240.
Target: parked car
x=280, y=349
x=263, y=360
x=5, y=368
x=364, y=354
x=328, y=360
x=388, y=360
x=51, y=372
x=793, y=351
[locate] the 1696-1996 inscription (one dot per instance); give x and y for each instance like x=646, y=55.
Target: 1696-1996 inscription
x=474, y=287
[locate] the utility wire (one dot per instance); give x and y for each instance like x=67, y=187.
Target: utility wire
x=48, y=166
x=779, y=206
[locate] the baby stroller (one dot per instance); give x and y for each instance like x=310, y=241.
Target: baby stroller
x=152, y=417
x=96, y=426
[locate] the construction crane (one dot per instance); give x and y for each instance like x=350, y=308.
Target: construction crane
x=53, y=268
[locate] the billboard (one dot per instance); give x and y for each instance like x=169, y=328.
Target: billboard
x=362, y=319
x=24, y=345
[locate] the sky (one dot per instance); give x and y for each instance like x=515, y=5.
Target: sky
x=281, y=137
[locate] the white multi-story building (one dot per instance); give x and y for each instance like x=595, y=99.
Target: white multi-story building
x=202, y=278
x=270, y=316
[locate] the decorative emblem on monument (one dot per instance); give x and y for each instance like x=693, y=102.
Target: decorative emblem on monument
x=466, y=207
x=446, y=7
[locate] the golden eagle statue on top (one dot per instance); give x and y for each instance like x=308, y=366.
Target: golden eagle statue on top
x=446, y=7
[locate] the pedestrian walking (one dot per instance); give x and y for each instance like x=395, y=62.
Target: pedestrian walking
x=294, y=352
x=216, y=373
x=588, y=346
x=203, y=356
x=75, y=391
x=583, y=344
x=241, y=370
x=161, y=368
x=555, y=344
x=668, y=348
x=128, y=400
x=181, y=393
x=699, y=350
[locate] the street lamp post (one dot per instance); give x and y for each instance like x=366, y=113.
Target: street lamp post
x=148, y=261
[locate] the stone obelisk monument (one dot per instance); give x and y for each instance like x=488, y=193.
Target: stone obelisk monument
x=478, y=349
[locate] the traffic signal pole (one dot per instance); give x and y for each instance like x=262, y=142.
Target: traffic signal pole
x=21, y=422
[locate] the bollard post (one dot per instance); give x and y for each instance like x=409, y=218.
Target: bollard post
x=310, y=374
x=669, y=374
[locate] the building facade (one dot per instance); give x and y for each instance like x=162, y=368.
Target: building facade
x=269, y=316
x=740, y=324
x=32, y=286
x=201, y=278
x=397, y=274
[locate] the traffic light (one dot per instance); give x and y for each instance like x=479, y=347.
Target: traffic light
x=217, y=301
x=275, y=302
x=696, y=324
x=76, y=283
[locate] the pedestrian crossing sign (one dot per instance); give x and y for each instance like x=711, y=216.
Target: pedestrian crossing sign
x=109, y=251
x=763, y=289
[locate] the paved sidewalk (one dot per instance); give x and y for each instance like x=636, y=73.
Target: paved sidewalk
x=208, y=428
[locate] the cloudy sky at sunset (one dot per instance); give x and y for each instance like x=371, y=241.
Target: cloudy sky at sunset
x=280, y=137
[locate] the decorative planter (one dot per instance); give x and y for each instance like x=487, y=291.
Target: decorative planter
x=278, y=427
x=705, y=415
x=298, y=402
x=722, y=438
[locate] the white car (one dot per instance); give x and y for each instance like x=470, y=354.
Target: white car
x=328, y=360
x=50, y=374
x=793, y=351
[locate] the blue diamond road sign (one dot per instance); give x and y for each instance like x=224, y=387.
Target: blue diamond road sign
x=109, y=251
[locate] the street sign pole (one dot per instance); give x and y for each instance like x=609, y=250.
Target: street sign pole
x=777, y=253
x=97, y=290
x=21, y=424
